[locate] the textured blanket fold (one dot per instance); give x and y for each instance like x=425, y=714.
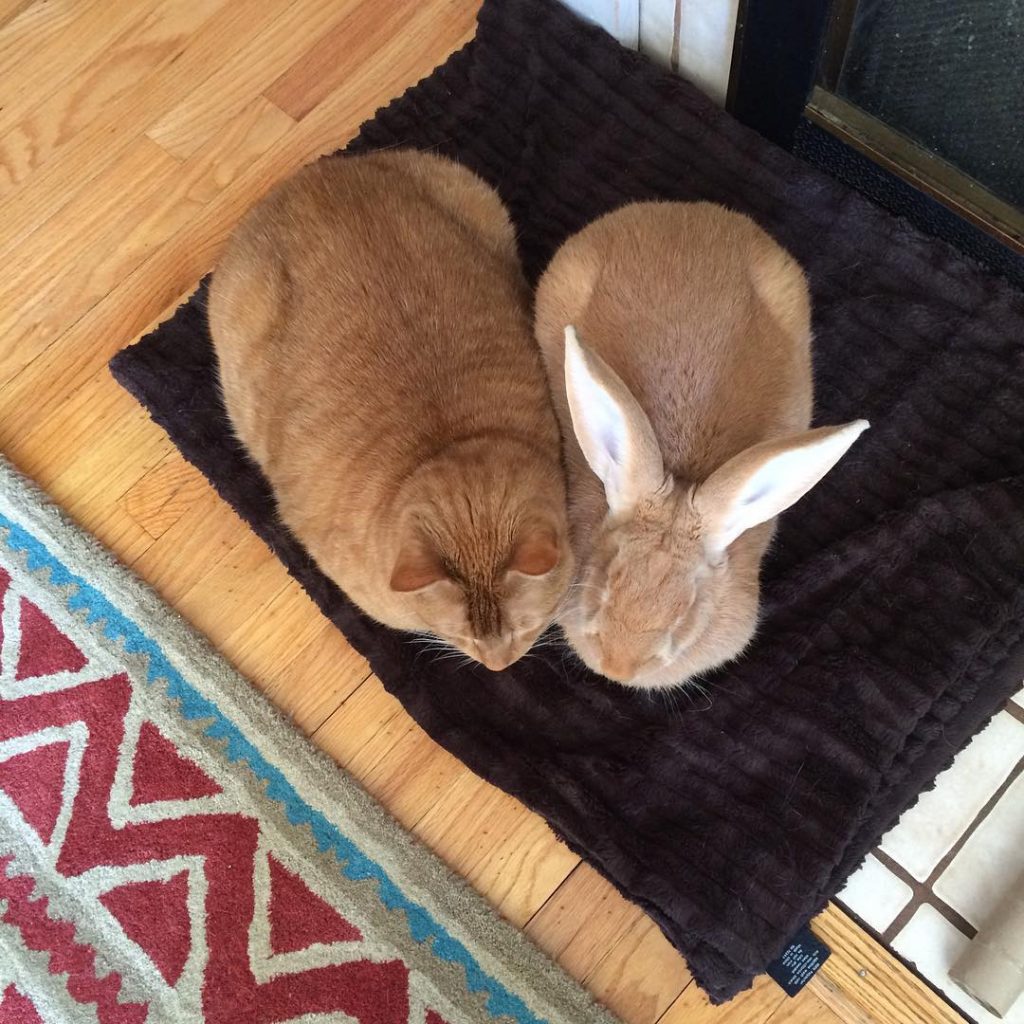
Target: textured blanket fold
x=893, y=621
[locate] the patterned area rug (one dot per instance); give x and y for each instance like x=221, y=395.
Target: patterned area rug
x=171, y=850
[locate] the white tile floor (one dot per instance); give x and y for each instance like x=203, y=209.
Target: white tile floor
x=875, y=894
x=994, y=851
x=927, y=832
x=932, y=944
x=939, y=873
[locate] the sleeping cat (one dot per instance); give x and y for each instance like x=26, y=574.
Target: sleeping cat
x=376, y=356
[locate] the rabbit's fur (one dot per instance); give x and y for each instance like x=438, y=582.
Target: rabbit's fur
x=676, y=337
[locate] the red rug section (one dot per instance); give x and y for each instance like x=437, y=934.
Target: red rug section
x=67, y=957
x=155, y=913
x=16, y=1008
x=159, y=772
x=35, y=782
x=298, y=917
x=138, y=905
x=44, y=649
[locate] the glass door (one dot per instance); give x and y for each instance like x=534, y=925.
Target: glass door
x=917, y=103
x=933, y=90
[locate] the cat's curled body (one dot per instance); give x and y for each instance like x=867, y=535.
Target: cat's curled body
x=373, y=334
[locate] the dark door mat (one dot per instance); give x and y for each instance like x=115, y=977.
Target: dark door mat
x=894, y=597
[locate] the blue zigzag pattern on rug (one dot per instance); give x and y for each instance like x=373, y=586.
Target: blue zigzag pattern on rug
x=352, y=861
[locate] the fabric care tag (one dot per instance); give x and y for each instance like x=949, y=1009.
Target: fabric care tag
x=800, y=961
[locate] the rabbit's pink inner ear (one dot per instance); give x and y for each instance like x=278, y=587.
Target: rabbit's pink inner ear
x=416, y=567
x=613, y=432
x=766, y=479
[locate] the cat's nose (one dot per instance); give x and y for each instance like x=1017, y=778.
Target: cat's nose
x=496, y=661
x=498, y=655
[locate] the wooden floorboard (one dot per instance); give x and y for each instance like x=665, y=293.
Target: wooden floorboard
x=135, y=136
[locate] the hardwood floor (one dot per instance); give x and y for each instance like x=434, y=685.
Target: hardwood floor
x=133, y=135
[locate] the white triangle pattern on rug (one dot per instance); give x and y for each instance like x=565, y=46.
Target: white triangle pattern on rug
x=11, y=687
x=185, y=994
x=76, y=736
x=121, y=809
x=186, y=990
x=266, y=962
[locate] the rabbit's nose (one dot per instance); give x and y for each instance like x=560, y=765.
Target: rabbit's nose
x=619, y=667
x=623, y=666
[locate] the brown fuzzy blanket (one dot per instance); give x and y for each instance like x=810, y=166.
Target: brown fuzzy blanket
x=894, y=595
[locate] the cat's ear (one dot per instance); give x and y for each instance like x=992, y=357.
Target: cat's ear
x=418, y=565
x=536, y=552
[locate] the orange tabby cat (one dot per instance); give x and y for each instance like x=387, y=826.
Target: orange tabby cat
x=376, y=356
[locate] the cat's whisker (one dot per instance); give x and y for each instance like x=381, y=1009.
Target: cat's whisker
x=461, y=659
x=425, y=646
x=573, y=595
x=544, y=645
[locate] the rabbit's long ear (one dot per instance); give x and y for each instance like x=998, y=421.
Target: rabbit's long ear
x=614, y=433
x=767, y=478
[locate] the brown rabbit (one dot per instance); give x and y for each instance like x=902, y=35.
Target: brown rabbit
x=372, y=327
x=677, y=342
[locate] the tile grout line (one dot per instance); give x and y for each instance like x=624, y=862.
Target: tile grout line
x=923, y=892
x=920, y=895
